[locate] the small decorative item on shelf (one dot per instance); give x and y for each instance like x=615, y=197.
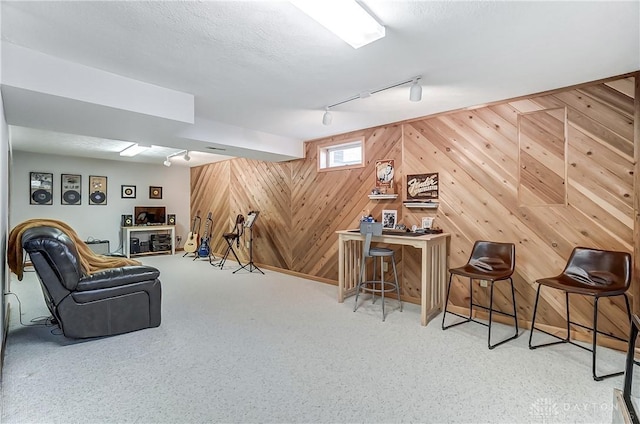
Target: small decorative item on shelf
x=367, y=219
x=427, y=222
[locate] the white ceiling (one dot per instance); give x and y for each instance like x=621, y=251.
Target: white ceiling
x=264, y=66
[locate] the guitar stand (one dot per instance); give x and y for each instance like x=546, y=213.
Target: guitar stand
x=251, y=219
x=210, y=256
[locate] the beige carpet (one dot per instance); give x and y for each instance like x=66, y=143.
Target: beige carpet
x=239, y=348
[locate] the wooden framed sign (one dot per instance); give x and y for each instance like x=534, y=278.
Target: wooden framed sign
x=422, y=187
x=384, y=173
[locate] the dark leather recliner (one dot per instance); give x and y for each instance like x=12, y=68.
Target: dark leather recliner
x=108, y=302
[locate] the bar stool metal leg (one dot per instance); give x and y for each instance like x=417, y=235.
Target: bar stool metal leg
x=395, y=276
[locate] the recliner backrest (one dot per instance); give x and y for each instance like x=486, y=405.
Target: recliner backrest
x=55, y=259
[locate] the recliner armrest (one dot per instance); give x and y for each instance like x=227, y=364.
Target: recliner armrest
x=114, y=277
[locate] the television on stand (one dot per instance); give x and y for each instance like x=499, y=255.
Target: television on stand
x=150, y=215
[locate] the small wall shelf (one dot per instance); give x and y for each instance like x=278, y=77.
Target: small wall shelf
x=383, y=196
x=422, y=205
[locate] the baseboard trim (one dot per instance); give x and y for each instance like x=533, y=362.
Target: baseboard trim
x=581, y=336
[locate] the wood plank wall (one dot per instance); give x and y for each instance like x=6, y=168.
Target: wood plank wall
x=476, y=153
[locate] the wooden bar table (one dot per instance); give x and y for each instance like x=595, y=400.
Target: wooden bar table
x=434, y=249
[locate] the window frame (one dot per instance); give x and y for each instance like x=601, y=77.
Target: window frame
x=325, y=148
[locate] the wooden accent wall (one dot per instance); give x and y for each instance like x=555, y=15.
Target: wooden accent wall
x=476, y=154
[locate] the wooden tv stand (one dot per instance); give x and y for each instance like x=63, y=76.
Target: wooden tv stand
x=148, y=230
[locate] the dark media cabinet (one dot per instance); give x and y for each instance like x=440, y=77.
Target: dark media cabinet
x=141, y=240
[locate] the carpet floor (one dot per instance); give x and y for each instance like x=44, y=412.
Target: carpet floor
x=253, y=348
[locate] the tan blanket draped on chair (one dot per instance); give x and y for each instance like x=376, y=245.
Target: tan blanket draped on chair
x=90, y=262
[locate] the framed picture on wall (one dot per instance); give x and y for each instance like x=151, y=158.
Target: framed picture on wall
x=155, y=192
x=128, y=191
x=389, y=219
x=384, y=174
x=97, y=190
x=41, y=188
x=421, y=187
x=70, y=189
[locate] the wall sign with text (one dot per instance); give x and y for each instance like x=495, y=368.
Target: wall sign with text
x=422, y=186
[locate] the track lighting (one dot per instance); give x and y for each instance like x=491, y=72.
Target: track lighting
x=184, y=153
x=415, y=92
x=415, y=95
x=327, y=118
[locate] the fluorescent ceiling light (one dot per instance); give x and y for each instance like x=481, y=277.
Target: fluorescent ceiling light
x=133, y=150
x=345, y=18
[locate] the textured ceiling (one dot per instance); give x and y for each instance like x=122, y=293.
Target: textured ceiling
x=264, y=66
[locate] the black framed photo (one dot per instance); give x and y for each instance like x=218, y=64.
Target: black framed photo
x=389, y=219
x=155, y=192
x=41, y=188
x=70, y=189
x=97, y=190
x=128, y=191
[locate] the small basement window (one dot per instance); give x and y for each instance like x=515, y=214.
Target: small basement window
x=341, y=155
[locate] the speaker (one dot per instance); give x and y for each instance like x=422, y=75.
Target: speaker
x=171, y=219
x=127, y=220
x=135, y=245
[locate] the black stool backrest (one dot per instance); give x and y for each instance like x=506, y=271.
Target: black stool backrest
x=369, y=229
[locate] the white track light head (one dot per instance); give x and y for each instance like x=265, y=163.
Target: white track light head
x=327, y=118
x=415, y=93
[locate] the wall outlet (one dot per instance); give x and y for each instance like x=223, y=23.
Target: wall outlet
x=247, y=244
x=385, y=266
x=484, y=283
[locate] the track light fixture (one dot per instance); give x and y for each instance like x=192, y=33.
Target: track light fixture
x=415, y=95
x=415, y=92
x=327, y=118
x=184, y=153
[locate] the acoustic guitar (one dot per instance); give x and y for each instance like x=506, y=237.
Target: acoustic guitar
x=204, y=250
x=191, y=244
